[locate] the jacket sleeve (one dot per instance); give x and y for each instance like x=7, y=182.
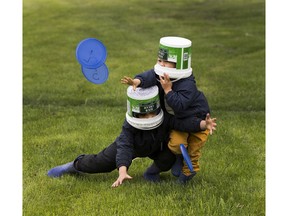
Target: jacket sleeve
x=189, y=125
x=125, y=147
x=182, y=96
x=147, y=78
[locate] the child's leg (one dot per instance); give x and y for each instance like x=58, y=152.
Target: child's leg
x=102, y=162
x=195, y=143
x=163, y=161
x=177, y=138
x=58, y=171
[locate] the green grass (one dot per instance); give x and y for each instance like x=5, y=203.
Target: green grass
x=64, y=115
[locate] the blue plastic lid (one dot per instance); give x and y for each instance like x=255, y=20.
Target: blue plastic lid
x=186, y=157
x=91, y=53
x=96, y=75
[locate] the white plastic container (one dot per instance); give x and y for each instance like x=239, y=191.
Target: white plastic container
x=142, y=101
x=177, y=50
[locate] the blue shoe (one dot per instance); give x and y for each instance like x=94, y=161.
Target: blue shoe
x=61, y=170
x=177, y=166
x=183, y=179
x=152, y=173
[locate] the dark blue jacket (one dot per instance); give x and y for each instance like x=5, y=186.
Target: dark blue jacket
x=133, y=142
x=185, y=99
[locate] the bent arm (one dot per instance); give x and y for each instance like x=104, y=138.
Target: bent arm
x=190, y=125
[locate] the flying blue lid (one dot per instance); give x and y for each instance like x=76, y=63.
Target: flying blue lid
x=186, y=157
x=91, y=53
x=96, y=75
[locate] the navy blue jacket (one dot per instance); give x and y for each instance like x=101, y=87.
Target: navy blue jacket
x=133, y=142
x=185, y=99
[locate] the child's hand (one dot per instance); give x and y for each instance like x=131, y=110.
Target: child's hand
x=120, y=180
x=166, y=83
x=210, y=123
x=123, y=175
x=129, y=81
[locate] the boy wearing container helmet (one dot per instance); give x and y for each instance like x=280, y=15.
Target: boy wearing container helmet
x=181, y=99
x=145, y=133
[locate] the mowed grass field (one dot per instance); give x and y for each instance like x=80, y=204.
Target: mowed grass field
x=64, y=115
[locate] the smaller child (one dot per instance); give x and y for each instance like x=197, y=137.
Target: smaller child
x=182, y=99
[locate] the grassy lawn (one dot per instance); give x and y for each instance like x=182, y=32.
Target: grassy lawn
x=64, y=115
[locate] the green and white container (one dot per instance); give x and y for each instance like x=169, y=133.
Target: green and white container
x=143, y=101
x=177, y=50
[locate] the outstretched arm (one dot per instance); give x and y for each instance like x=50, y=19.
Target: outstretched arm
x=129, y=81
x=190, y=125
x=143, y=80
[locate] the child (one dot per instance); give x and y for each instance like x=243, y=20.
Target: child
x=181, y=99
x=145, y=133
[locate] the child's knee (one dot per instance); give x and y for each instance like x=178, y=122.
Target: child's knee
x=177, y=138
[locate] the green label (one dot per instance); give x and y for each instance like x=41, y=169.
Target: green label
x=146, y=108
x=180, y=56
x=186, y=57
x=142, y=106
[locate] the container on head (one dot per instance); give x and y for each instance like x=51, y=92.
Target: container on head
x=141, y=102
x=176, y=50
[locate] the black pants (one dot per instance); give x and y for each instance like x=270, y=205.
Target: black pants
x=105, y=161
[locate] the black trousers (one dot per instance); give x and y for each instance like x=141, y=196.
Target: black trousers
x=105, y=161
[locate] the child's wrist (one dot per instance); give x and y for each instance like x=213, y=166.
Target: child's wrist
x=203, y=125
x=122, y=169
x=137, y=82
x=167, y=91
